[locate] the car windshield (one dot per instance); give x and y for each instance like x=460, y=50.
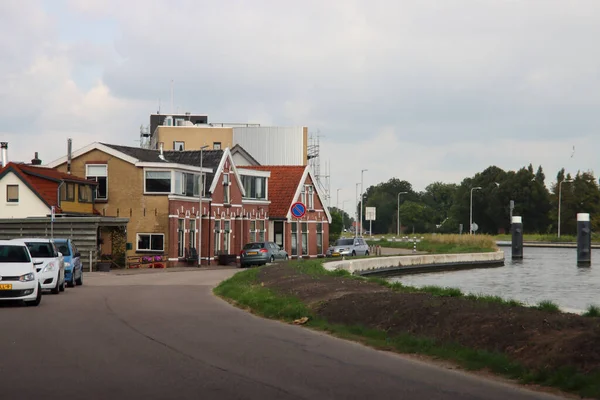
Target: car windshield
x=40, y=249
x=254, y=246
x=64, y=249
x=344, y=242
x=13, y=254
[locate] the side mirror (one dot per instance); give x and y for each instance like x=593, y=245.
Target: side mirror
x=60, y=254
x=78, y=254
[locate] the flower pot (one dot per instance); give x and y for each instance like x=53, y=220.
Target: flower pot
x=103, y=266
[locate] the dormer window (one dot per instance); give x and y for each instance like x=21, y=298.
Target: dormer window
x=178, y=146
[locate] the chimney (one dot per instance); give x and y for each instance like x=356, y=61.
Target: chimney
x=69, y=156
x=161, y=155
x=36, y=160
x=4, y=146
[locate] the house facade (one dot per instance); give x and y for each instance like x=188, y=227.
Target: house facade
x=160, y=192
x=34, y=191
x=302, y=237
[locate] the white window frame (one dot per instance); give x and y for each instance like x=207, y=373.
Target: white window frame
x=261, y=229
x=294, y=238
x=12, y=201
x=319, y=238
x=304, y=237
x=217, y=236
x=172, y=184
x=178, y=142
x=227, y=236
x=192, y=235
x=181, y=237
x=253, y=232
x=137, y=241
x=95, y=177
x=226, y=189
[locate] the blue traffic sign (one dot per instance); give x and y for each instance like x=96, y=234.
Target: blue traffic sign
x=298, y=210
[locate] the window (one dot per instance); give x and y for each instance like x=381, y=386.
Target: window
x=252, y=231
x=308, y=197
x=294, y=238
x=304, y=238
x=261, y=230
x=68, y=192
x=180, y=237
x=217, y=237
x=12, y=193
x=254, y=186
x=179, y=183
x=85, y=194
x=216, y=145
x=179, y=146
x=98, y=173
x=226, y=189
x=150, y=242
x=227, y=236
x=319, y=238
x=192, y=235
x=158, y=181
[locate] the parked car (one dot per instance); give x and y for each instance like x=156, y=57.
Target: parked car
x=260, y=253
x=73, y=265
x=18, y=277
x=52, y=269
x=348, y=247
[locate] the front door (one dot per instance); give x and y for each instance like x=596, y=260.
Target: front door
x=278, y=232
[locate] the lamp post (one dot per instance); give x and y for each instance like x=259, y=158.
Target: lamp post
x=560, y=199
x=343, y=214
x=362, y=171
x=471, y=210
x=200, y=195
x=399, y=211
x=356, y=212
x=337, y=200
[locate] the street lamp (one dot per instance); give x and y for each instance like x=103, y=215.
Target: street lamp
x=560, y=198
x=399, y=211
x=343, y=214
x=362, y=171
x=356, y=211
x=200, y=195
x=471, y=212
x=337, y=200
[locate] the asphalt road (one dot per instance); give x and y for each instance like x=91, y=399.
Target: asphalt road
x=165, y=336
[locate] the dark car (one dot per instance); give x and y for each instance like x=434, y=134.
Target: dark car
x=260, y=253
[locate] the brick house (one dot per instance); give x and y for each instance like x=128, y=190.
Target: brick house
x=159, y=191
x=304, y=237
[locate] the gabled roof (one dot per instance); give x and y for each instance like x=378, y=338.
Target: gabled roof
x=283, y=183
x=239, y=149
x=43, y=181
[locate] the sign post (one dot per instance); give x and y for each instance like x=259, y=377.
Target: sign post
x=370, y=215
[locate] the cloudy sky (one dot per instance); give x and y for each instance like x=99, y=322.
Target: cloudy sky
x=421, y=90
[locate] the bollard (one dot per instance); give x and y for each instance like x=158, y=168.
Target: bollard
x=517, y=238
x=414, y=244
x=584, y=239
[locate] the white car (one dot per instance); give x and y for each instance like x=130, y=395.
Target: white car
x=52, y=269
x=18, y=278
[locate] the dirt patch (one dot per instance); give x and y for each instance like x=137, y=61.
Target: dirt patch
x=535, y=338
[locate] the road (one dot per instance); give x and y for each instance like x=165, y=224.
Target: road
x=165, y=336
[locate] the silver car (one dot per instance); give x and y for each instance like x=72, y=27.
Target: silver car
x=348, y=247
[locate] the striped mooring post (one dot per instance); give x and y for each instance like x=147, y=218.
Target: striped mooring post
x=414, y=244
x=517, y=238
x=584, y=239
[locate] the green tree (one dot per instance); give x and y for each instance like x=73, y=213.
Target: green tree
x=336, y=226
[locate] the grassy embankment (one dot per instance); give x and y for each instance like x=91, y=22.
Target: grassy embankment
x=535, y=237
x=445, y=244
x=245, y=290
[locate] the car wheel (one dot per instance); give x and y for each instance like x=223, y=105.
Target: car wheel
x=272, y=259
x=286, y=257
x=353, y=253
x=367, y=253
x=80, y=280
x=56, y=288
x=71, y=283
x=38, y=299
x=61, y=287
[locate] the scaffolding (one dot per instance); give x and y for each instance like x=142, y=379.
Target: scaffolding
x=314, y=161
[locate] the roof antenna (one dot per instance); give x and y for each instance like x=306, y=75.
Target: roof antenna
x=69, y=141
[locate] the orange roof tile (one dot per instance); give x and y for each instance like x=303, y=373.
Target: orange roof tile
x=283, y=183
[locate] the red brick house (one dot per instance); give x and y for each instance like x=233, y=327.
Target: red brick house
x=301, y=237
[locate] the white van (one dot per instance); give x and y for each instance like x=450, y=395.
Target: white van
x=18, y=276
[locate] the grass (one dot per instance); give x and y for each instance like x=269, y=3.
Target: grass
x=246, y=291
x=552, y=238
x=592, y=311
x=440, y=244
x=548, y=306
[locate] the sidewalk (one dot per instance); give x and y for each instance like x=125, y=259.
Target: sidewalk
x=140, y=271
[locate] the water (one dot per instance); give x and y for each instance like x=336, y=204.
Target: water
x=543, y=274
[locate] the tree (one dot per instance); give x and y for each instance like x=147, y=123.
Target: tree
x=336, y=226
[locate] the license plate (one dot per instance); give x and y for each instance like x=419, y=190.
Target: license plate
x=336, y=254
x=5, y=287
x=251, y=253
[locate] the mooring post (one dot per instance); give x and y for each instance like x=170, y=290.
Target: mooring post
x=414, y=244
x=517, y=238
x=584, y=239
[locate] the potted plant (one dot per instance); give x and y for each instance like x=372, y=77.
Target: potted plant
x=104, y=264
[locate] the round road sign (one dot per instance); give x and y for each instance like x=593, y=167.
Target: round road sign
x=298, y=210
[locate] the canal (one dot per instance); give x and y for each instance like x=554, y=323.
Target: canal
x=543, y=274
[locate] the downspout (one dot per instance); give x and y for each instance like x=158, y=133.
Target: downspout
x=209, y=226
x=58, y=193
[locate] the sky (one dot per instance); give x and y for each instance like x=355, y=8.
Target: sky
x=420, y=90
